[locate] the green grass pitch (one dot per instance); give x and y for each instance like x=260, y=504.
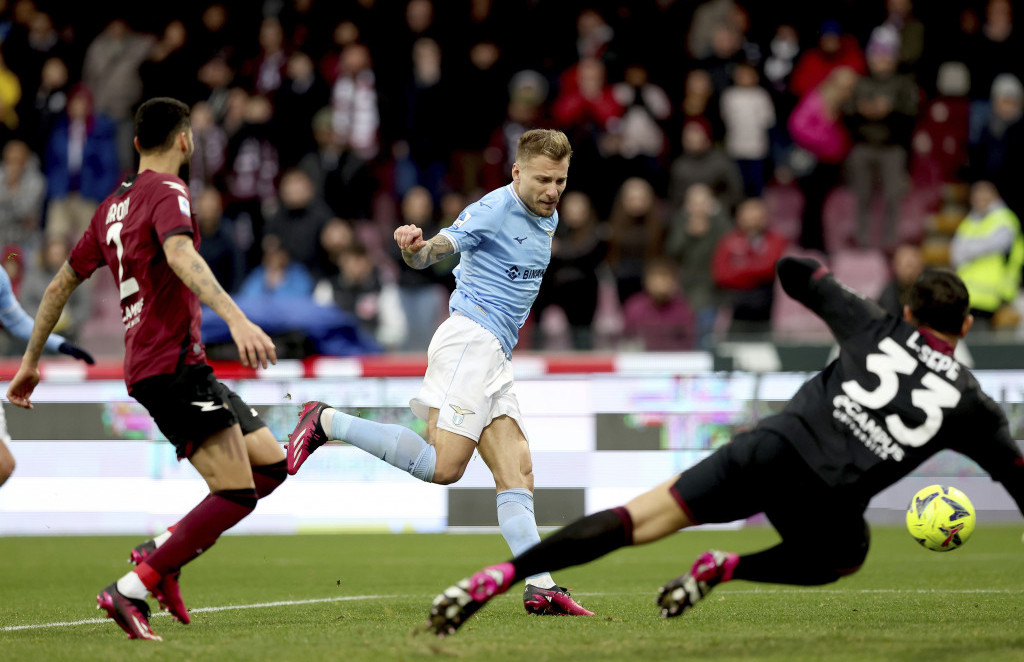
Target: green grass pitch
x=905, y=604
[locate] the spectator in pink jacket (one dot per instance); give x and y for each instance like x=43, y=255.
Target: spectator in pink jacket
x=816, y=124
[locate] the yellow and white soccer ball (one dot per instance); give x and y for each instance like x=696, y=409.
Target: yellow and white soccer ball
x=941, y=518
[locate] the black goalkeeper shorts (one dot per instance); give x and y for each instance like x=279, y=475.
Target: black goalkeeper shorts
x=759, y=471
x=191, y=405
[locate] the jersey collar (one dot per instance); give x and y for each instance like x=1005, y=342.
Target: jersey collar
x=519, y=201
x=935, y=342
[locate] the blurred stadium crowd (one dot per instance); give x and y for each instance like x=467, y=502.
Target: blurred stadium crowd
x=710, y=138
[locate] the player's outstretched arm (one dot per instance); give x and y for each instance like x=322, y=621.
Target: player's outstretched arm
x=843, y=310
x=255, y=348
x=19, y=323
x=420, y=254
x=56, y=296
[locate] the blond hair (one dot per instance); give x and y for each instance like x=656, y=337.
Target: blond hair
x=543, y=142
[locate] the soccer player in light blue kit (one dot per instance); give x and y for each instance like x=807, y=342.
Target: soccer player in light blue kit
x=468, y=397
x=19, y=323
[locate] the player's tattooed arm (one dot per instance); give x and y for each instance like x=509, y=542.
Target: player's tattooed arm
x=193, y=270
x=50, y=308
x=255, y=348
x=435, y=250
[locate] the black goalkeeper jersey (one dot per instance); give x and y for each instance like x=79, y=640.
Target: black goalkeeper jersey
x=894, y=397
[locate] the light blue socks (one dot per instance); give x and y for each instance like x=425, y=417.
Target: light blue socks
x=519, y=527
x=398, y=446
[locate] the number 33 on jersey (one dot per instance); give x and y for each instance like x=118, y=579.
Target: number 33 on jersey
x=932, y=395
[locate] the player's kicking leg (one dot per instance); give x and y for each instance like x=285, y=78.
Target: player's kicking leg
x=443, y=461
x=397, y=445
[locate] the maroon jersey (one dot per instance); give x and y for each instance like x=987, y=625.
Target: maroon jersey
x=160, y=313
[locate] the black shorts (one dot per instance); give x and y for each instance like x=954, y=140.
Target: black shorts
x=191, y=405
x=760, y=472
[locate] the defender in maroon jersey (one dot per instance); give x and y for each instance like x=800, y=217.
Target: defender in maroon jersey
x=893, y=398
x=146, y=234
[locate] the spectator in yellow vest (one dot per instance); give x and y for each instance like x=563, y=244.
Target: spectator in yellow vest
x=988, y=252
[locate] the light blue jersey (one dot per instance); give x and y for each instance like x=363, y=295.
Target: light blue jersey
x=505, y=252
x=15, y=319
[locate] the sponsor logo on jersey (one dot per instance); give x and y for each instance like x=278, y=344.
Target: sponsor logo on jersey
x=520, y=240
x=515, y=272
x=132, y=314
x=866, y=428
x=460, y=414
x=209, y=405
x=178, y=187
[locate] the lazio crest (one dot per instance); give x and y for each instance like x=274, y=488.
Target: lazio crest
x=460, y=414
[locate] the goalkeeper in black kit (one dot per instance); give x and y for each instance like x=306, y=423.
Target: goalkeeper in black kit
x=894, y=397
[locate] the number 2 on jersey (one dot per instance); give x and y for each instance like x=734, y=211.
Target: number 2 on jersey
x=128, y=286
x=937, y=394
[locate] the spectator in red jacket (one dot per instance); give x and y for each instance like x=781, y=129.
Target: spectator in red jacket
x=834, y=50
x=586, y=97
x=744, y=267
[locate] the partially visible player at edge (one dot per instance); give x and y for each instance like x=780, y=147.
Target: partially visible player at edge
x=14, y=318
x=468, y=395
x=893, y=398
x=146, y=234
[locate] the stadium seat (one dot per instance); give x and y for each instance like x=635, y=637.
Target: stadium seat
x=839, y=219
x=914, y=213
x=864, y=270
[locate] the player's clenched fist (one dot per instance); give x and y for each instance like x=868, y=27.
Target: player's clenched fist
x=410, y=238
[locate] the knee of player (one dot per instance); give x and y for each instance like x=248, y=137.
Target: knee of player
x=446, y=474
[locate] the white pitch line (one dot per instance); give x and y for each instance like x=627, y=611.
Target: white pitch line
x=200, y=610
x=87, y=621
x=349, y=598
